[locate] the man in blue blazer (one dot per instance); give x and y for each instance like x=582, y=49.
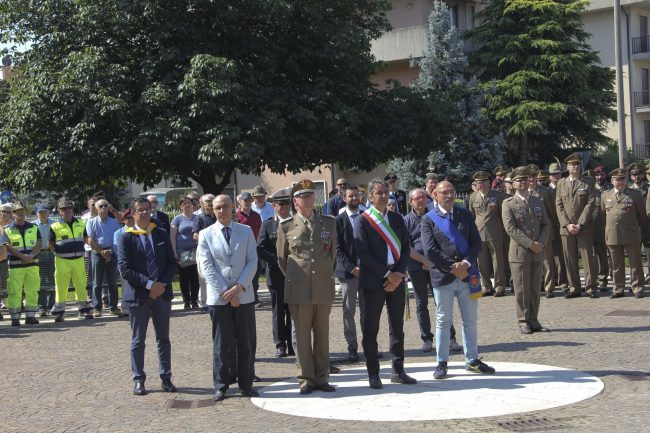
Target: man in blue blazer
x=147, y=264
x=381, y=242
x=228, y=254
x=347, y=267
x=450, y=266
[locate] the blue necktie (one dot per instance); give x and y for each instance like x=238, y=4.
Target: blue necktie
x=152, y=267
x=226, y=234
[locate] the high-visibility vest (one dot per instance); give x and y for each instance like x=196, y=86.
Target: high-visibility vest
x=23, y=243
x=68, y=243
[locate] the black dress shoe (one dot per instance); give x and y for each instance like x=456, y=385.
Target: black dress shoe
x=334, y=369
x=280, y=352
x=15, y=322
x=570, y=295
x=550, y=295
x=306, y=389
x=353, y=355
x=250, y=393
x=31, y=321
x=638, y=295
x=326, y=387
x=499, y=294
x=256, y=378
x=592, y=295
x=380, y=355
x=167, y=386
x=540, y=328
x=219, y=395
x=403, y=378
x=616, y=295
x=488, y=293
x=139, y=389
x=375, y=382
x=290, y=351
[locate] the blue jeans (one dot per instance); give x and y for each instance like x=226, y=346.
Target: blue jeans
x=101, y=267
x=444, y=297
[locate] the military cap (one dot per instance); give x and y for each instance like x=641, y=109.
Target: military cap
x=618, y=173
x=390, y=177
x=18, y=206
x=281, y=196
x=554, y=168
x=303, y=187
x=7, y=206
x=543, y=174
x=501, y=170
x=520, y=173
x=635, y=168
x=573, y=158
x=481, y=176
x=259, y=191
x=508, y=178
x=64, y=202
x=533, y=169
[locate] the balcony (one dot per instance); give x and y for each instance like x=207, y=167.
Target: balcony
x=642, y=151
x=641, y=45
x=400, y=44
x=642, y=101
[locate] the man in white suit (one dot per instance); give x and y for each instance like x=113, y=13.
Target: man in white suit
x=228, y=255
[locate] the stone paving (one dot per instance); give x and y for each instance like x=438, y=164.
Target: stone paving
x=75, y=376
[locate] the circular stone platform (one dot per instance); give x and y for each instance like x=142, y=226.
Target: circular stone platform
x=515, y=388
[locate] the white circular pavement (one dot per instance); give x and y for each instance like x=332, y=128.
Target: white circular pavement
x=515, y=388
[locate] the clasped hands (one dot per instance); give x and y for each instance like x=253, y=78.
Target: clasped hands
x=573, y=229
x=536, y=247
x=157, y=289
x=393, y=280
x=459, y=270
x=232, y=294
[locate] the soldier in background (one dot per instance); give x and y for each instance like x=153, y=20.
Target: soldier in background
x=576, y=203
x=485, y=207
x=561, y=281
x=625, y=213
x=600, y=247
x=547, y=195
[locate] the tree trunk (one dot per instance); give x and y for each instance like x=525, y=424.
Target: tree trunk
x=523, y=150
x=207, y=179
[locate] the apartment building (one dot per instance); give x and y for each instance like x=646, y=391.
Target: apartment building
x=635, y=36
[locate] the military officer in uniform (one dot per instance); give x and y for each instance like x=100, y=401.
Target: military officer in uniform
x=625, y=213
x=555, y=174
x=547, y=196
x=267, y=251
x=600, y=247
x=306, y=248
x=525, y=220
x=400, y=195
x=637, y=172
x=576, y=203
x=485, y=207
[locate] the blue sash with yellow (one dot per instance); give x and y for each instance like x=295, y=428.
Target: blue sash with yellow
x=454, y=235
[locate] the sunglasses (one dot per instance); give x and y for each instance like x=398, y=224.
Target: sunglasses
x=5, y=211
x=102, y=206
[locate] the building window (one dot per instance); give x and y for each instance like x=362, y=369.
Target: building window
x=453, y=15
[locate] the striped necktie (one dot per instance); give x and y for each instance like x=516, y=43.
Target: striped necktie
x=152, y=267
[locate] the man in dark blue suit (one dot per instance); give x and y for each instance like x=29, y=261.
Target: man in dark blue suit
x=147, y=265
x=267, y=250
x=452, y=243
x=347, y=268
x=381, y=242
x=161, y=218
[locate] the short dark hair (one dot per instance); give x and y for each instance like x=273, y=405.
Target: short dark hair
x=374, y=182
x=139, y=200
x=184, y=200
x=351, y=187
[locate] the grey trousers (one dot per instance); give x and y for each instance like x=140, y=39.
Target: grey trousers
x=349, y=292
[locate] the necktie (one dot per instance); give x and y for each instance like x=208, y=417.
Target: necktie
x=226, y=234
x=152, y=267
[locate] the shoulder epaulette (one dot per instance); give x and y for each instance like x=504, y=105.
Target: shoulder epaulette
x=286, y=221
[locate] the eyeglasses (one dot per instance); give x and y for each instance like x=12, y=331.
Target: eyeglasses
x=102, y=206
x=5, y=211
x=341, y=184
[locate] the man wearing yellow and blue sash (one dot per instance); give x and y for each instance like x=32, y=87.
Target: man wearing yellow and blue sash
x=452, y=243
x=381, y=241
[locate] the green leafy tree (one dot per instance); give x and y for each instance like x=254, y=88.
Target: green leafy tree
x=115, y=89
x=547, y=89
x=473, y=145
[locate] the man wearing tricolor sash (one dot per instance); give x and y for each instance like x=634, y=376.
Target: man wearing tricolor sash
x=452, y=243
x=382, y=244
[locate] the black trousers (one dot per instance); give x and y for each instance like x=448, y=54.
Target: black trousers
x=281, y=319
x=189, y=280
x=232, y=348
x=371, y=305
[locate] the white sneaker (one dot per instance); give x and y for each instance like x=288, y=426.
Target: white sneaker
x=454, y=346
x=427, y=346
